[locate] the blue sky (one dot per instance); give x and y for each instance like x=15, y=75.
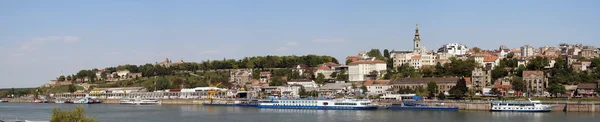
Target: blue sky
x=39, y=39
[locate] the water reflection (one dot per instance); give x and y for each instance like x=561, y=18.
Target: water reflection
x=529, y=116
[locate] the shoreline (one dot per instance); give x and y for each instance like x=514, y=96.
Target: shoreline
x=559, y=106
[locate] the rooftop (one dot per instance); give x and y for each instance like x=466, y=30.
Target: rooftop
x=424, y=80
x=366, y=62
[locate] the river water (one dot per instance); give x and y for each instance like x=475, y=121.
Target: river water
x=198, y=113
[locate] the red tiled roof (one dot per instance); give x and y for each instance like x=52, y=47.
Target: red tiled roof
x=490, y=58
x=352, y=58
x=369, y=82
x=416, y=57
x=468, y=79
x=332, y=64
x=323, y=67
x=515, y=51
x=441, y=60
x=366, y=62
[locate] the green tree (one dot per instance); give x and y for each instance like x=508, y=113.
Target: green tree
x=103, y=75
x=460, y=89
x=314, y=93
x=374, y=74
x=69, y=78
x=320, y=78
x=376, y=54
x=595, y=63
x=432, y=87
x=72, y=88
x=439, y=70
x=499, y=72
x=458, y=67
x=364, y=89
x=518, y=84
x=302, y=92
x=494, y=91
x=441, y=96
x=333, y=75
x=162, y=83
x=61, y=78
x=538, y=63
x=471, y=93
x=476, y=49
x=386, y=53
x=555, y=88
x=342, y=76
x=348, y=61
x=510, y=55
x=276, y=81
x=76, y=115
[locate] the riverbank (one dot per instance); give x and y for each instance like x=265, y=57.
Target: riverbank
x=559, y=106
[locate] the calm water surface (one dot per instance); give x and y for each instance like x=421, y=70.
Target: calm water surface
x=196, y=113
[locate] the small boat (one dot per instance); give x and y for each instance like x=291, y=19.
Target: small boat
x=410, y=105
x=520, y=106
x=337, y=104
x=40, y=101
x=3, y=101
x=139, y=101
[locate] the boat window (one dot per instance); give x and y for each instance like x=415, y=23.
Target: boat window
x=325, y=103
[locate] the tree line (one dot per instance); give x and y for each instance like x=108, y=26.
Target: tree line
x=256, y=62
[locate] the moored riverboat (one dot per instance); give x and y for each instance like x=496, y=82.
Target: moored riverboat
x=520, y=106
x=337, y=104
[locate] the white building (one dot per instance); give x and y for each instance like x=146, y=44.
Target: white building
x=304, y=82
x=123, y=73
x=358, y=69
x=401, y=57
x=325, y=70
x=527, y=51
x=453, y=49
x=377, y=89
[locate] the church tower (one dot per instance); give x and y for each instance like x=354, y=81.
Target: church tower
x=417, y=41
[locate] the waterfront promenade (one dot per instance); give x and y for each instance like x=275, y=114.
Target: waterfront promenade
x=559, y=106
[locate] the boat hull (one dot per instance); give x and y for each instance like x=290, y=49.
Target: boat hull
x=521, y=110
x=318, y=107
x=423, y=108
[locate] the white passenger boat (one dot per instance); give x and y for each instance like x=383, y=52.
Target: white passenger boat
x=520, y=106
x=139, y=101
x=338, y=104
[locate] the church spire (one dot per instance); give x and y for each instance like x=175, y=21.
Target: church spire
x=417, y=41
x=417, y=31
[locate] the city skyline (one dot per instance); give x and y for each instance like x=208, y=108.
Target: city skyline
x=39, y=39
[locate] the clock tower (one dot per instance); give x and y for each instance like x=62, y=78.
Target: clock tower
x=417, y=41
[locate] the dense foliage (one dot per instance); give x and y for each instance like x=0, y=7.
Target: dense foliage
x=76, y=115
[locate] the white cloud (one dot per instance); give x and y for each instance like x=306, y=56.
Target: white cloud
x=282, y=49
x=291, y=43
x=30, y=44
x=329, y=40
x=209, y=52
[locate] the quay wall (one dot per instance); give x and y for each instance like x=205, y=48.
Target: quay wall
x=486, y=106
x=462, y=105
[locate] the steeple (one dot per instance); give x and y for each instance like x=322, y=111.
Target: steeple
x=417, y=31
x=417, y=41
